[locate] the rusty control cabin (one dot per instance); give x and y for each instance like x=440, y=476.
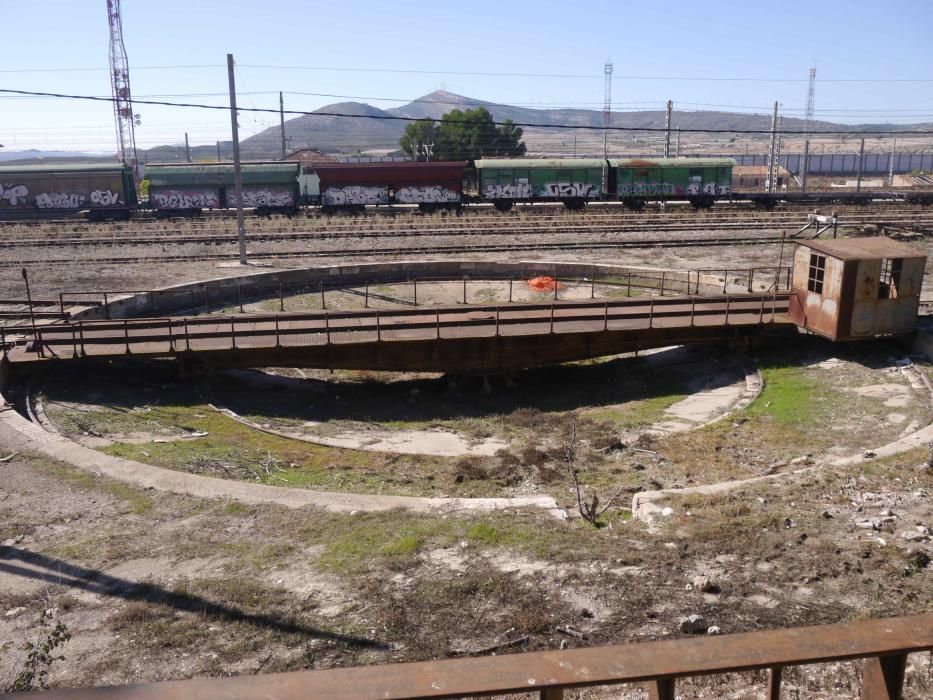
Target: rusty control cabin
x=856, y=288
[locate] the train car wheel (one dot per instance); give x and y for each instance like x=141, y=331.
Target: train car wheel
x=574, y=204
x=634, y=204
x=503, y=205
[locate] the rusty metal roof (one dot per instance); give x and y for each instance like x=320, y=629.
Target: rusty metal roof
x=536, y=163
x=865, y=248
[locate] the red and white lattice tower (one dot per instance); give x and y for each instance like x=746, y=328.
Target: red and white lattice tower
x=120, y=82
x=607, y=107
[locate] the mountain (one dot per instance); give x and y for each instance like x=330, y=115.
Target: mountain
x=368, y=128
x=371, y=130
x=361, y=127
x=33, y=156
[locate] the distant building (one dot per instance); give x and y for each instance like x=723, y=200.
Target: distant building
x=310, y=156
x=755, y=177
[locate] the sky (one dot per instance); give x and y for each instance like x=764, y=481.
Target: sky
x=873, y=60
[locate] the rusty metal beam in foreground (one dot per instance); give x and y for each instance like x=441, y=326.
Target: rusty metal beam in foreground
x=883, y=643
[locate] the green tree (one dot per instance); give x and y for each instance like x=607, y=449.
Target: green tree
x=462, y=135
x=418, y=139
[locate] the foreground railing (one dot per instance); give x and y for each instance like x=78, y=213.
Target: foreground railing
x=883, y=644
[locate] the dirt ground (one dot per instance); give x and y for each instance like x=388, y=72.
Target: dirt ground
x=153, y=586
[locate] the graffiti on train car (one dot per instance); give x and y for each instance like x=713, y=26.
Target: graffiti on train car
x=182, y=199
x=339, y=196
x=707, y=188
x=647, y=188
x=568, y=189
x=105, y=198
x=60, y=200
x=262, y=198
x=520, y=190
x=426, y=194
x=14, y=194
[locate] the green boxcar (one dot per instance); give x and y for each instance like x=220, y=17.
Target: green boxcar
x=103, y=190
x=572, y=181
x=697, y=179
x=267, y=186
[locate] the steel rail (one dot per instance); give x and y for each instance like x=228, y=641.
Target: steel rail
x=858, y=214
x=475, y=217
x=883, y=644
x=290, y=236
x=375, y=252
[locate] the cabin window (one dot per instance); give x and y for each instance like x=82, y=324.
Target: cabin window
x=890, y=278
x=817, y=271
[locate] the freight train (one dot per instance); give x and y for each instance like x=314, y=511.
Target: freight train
x=109, y=191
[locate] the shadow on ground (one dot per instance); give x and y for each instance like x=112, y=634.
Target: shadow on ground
x=32, y=565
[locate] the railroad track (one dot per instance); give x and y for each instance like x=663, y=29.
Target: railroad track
x=224, y=224
x=916, y=222
x=403, y=251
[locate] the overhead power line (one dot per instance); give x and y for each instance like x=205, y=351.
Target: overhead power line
x=572, y=76
x=388, y=117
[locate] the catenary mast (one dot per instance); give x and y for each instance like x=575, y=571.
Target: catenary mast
x=120, y=83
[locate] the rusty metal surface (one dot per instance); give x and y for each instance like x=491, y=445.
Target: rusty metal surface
x=486, y=336
x=851, y=306
x=883, y=677
x=538, y=671
x=866, y=248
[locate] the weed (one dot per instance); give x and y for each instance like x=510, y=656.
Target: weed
x=40, y=654
x=237, y=508
x=484, y=533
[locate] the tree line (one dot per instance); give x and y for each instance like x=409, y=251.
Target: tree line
x=462, y=135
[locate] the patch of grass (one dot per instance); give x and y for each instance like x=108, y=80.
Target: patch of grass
x=135, y=498
x=637, y=413
x=373, y=537
x=787, y=396
x=484, y=534
x=402, y=545
x=231, y=450
x=237, y=508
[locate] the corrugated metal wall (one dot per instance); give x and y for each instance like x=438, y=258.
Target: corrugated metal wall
x=840, y=163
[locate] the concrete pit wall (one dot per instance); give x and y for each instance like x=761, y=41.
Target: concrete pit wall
x=211, y=294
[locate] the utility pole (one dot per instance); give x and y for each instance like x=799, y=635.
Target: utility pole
x=218, y=151
x=237, y=172
x=678, y=142
x=187, y=149
x=667, y=129
x=861, y=160
x=282, y=122
x=771, y=149
x=805, y=166
x=780, y=147
x=891, y=163
x=607, y=108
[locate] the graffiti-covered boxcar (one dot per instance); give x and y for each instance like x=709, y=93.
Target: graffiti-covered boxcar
x=700, y=180
x=351, y=186
x=573, y=181
x=186, y=189
x=102, y=190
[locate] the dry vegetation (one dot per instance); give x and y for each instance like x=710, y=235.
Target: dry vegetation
x=153, y=585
